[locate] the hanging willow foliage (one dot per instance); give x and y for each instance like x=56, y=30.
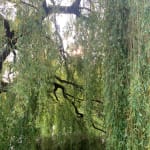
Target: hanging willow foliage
x=76, y=101
x=117, y=73
x=138, y=112
x=126, y=76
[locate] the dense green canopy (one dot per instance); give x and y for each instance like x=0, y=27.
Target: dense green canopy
x=92, y=95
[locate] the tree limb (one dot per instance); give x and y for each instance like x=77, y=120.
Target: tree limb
x=68, y=82
x=7, y=28
x=73, y=9
x=58, y=86
x=28, y=4
x=6, y=51
x=11, y=42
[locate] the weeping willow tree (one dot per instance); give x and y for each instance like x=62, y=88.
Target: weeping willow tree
x=126, y=75
x=58, y=100
x=50, y=104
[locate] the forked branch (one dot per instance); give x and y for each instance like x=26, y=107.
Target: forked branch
x=73, y=9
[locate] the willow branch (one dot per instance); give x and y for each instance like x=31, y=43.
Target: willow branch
x=56, y=87
x=59, y=86
x=76, y=110
x=68, y=82
x=93, y=125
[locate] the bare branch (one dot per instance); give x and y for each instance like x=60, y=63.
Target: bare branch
x=76, y=110
x=68, y=82
x=73, y=9
x=56, y=87
x=98, y=128
x=98, y=101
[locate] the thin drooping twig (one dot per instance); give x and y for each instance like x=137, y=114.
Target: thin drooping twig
x=59, y=40
x=76, y=110
x=63, y=54
x=93, y=125
x=98, y=101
